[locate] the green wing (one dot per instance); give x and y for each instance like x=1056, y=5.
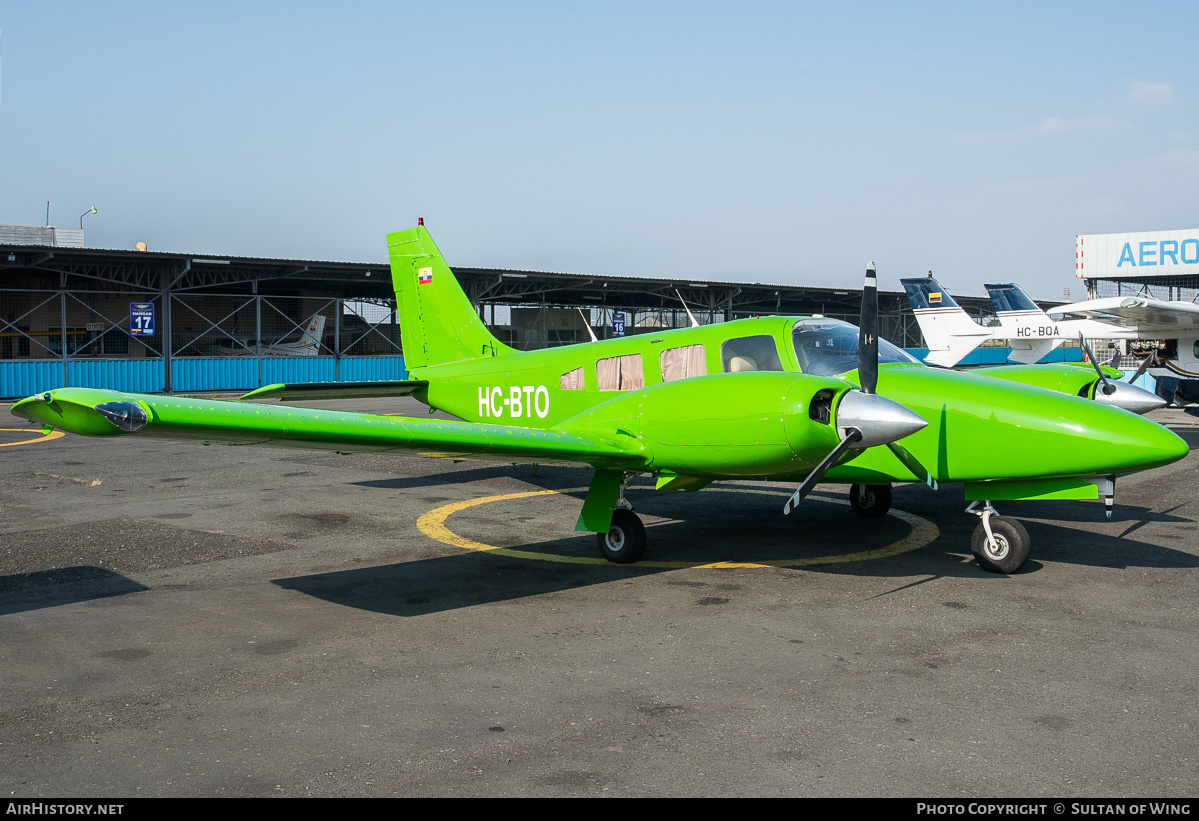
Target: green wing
x=97, y=412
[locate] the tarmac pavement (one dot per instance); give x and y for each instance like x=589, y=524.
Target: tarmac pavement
x=181, y=620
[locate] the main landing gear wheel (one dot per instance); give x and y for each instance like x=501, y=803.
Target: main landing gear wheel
x=870, y=501
x=1008, y=552
x=625, y=540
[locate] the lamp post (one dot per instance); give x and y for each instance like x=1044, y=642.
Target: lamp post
x=92, y=210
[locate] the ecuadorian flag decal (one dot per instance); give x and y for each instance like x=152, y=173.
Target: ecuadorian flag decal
x=425, y=276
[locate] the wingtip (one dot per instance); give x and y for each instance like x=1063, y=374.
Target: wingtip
x=263, y=392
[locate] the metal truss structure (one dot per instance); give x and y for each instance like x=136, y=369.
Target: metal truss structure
x=209, y=290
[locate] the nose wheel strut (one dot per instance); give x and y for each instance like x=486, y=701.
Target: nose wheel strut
x=1000, y=543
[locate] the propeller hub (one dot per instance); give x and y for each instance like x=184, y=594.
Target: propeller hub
x=1129, y=397
x=880, y=420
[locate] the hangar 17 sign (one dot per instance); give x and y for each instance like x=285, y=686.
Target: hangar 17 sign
x=141, y=319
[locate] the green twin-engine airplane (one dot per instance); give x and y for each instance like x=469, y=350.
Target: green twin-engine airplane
x=785, y=399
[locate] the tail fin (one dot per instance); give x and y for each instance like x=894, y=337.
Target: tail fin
x=949, y=332
x=310, y=340
x=1012, y=305
x=437, y=322
x=1016, y=309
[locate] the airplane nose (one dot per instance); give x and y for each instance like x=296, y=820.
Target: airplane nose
x=1129, y=397
x=880, y=420
x=1139, y=446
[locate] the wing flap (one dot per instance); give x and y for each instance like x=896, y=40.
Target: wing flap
x=338, y=390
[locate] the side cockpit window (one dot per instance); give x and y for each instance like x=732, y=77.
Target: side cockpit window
x=680, y=363
x=571, y=380
x=620, y=373
x=750, y=353
x=828, y=347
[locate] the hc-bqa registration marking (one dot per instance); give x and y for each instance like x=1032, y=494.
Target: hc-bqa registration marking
x=522, y=400
x=1029, y=330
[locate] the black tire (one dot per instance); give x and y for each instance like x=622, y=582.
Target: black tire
x=876, y=503
x=625, y=540
x=1014, y=545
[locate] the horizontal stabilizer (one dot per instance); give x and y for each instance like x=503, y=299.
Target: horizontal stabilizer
x=338, y=390
x=1029, y=352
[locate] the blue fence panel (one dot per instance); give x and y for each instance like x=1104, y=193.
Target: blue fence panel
x=227, y=373
x=130, y=375
x=999, y=356
x=241, y=373
x=297, y=369
x=979, y=356
x=214, y=374
x=21, y=379
x=1064, y=355
x=1145, y=381
x=373, y=369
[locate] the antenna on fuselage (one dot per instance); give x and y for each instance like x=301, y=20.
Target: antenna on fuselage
x=587, y=324
x=694, y=323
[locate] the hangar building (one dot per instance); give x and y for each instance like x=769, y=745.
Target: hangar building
x=167, y=322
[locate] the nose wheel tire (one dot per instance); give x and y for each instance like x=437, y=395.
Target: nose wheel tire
x=625, y=540
x=1008, y=552
x=870, y=501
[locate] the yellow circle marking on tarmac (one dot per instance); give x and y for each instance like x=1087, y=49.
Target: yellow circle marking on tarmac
x=433, y=525
x=46, y=437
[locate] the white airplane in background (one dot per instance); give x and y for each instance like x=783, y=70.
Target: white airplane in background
x=309, y=343
x=1031, y=334
x=1173, y=325
x=951, y=334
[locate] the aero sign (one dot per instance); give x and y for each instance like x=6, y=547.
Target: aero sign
x=1146, y=253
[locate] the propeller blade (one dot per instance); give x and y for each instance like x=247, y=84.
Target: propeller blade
x=851, y=437
x=1108, y=387
x=868, y=333
x=1144, y=367
x=1116, y=360
x=913, y=464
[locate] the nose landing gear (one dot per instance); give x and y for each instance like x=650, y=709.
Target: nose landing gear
x=1000, y=544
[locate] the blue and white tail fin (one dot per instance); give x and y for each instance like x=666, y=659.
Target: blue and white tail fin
x=948, y=331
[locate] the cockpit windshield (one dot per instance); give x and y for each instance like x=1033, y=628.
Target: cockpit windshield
x=827, y=347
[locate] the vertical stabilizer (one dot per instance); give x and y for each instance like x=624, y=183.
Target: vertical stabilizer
x=948, y=331
x=1017, y=311
x=310, y=340
x=437, y=322
x=1014, y=307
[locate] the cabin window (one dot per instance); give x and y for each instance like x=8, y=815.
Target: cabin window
x=571, y=380
x=620, y=373
x=750, y=353
x=681, y=363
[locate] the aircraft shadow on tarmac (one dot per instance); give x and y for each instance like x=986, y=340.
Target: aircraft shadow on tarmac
x=546, y=478
x=687, y=530
x=22, y=592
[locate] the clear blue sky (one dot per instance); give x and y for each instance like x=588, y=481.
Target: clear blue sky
x=773, y=142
